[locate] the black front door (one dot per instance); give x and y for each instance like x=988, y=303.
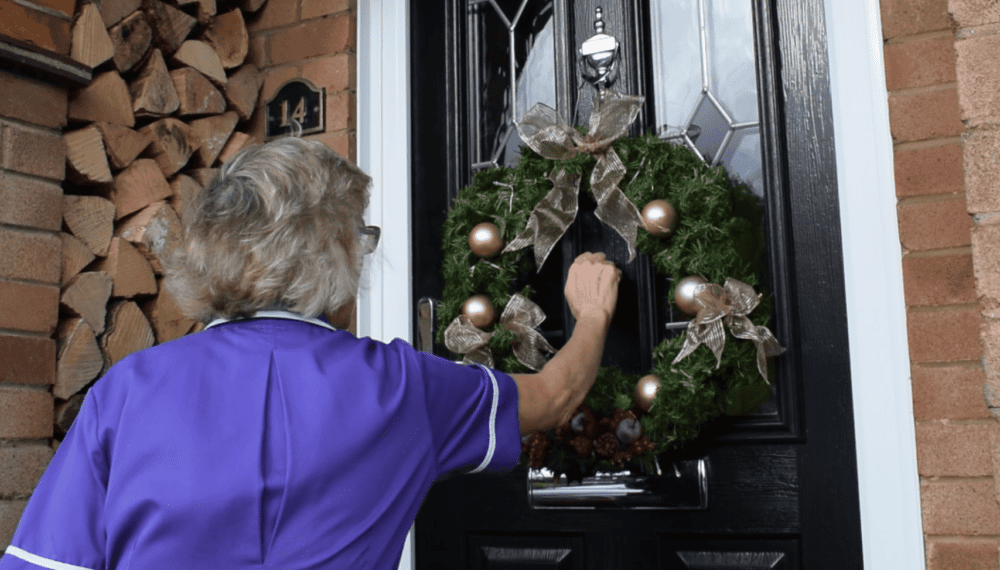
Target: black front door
x=782, y=482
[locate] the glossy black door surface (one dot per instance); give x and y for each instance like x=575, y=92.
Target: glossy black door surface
x=782, y=483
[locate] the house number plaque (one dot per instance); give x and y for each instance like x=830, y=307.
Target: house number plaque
x=298, y=104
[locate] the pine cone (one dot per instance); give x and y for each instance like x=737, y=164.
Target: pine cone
x=584, y=422
x=564, y=433
x=606, y=426
x=620, y=457
x=538, y=450
x=606, y=445
x=582, y=445
x=641, y=446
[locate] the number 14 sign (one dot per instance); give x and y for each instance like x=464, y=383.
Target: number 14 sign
x=298, y=104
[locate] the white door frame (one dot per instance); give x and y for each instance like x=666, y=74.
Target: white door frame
x=892, y=534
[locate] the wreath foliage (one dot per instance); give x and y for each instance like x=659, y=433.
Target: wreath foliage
x=719, y=234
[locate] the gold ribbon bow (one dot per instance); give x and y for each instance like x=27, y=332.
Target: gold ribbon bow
x=729, y=305
x=550, y=136
x=520, y=316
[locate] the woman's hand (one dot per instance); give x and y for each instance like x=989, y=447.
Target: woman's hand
x=592, y=285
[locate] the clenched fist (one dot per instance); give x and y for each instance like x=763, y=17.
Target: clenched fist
x=592, y=285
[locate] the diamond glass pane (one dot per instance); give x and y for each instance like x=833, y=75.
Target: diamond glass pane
x=742, y=159
x=708, y=129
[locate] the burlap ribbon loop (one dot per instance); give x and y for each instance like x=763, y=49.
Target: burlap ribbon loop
x=544, y=130
x=520, y=317
x=728, y=306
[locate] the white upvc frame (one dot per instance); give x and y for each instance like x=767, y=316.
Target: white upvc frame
x=892, y=535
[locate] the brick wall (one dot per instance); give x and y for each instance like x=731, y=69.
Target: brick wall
x=32, y=158
x=944, y=105
x=314, y=40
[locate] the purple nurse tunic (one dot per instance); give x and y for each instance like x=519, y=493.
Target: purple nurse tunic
x=271, y=442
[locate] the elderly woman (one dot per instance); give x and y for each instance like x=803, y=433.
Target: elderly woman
x=272, y=439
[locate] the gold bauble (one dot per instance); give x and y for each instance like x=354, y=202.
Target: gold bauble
x=645, y=391
x=659, y=218
x=485, y=240
x=684, y=294
x=479, y=310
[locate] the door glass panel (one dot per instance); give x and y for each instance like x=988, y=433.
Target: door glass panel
x=705, y=82
x=511, y=42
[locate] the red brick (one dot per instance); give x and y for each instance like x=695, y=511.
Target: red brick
x=963, y=553
x=939, y=280
x=316, y=8
x=932, y=170
x=27, y=360
x=343, y=142
x=32, y=101
x=274, y=14
x=22, y=466
x=907, y=17
x=275, y=78
x=948, y=392
x=954, y=450
x=35, y=152
x=30, y=203
x=934, y=225
x=924, y=115
x=991, y=362
x=336, y=73
x=257, y=54
x=982, y=170
x=32, y=256
x=10, y=515
x=340, y=111
x=959, y=507
x=325, y=36
x=973, y=12
x=29, y=307
x=34, y=27
x=978, y=79
x=920, y=63
x=25, y=414
x=944, y=336
x=986, y=260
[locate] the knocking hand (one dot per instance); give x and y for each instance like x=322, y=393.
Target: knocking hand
x=592, y=285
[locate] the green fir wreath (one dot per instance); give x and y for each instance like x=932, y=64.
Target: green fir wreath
x=718, y=235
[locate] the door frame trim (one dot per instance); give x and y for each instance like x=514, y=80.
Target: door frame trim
x=888, y=482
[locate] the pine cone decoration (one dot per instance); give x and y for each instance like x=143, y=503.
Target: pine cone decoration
x=582, y=445
x=640, y=447
x=606, y=445
x=538, y=449
x=606, y=426
x=620, y=457
x=584, y=422
x=564, y=433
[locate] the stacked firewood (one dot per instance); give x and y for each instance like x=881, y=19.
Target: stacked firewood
x=171, y=99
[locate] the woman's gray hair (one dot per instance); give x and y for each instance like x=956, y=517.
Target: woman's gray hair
x=278, y=228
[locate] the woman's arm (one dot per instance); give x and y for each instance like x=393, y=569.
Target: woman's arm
x=547, y=399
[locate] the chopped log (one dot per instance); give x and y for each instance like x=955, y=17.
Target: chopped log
x=66, y=412
x=243, y=90
x=75, y=256
x=170, y=26
x=166, y=317
x=153, y=93
x=203, y=176
x=172, y=145
x=131, y=38
x=155, y=231
x=91, y=44
x=128, y=332
x=78, y=360
x=211, y=135
x=86, y=296
x=183, y=188
x=85, y=157
x=227, y=34
x=138, y=186
x=201, y=56
x=206, y=9
x=236, y=143
x=105, y=99
x=130, y=272
x=112, y=11
x=90, y=218
x=196, y=93
x=122, y=144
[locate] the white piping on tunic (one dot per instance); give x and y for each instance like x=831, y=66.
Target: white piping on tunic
x=493, y=424
x=275, y=315
x=39, y=561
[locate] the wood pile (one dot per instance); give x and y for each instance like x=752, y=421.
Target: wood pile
x=171, y=98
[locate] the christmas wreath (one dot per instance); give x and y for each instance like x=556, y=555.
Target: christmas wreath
x=698, y=228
